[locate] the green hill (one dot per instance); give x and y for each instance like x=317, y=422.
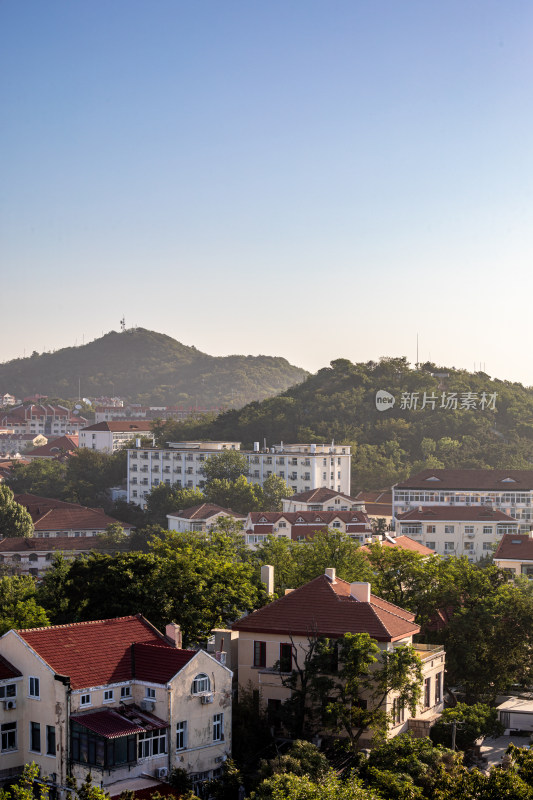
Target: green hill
x=339, y=402
x=148, y=367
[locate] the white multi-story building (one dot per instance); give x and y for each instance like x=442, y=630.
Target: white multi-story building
x=471, y=531
x=302, y=466
x=42, y=418
x=509, y=491
x=107, y=437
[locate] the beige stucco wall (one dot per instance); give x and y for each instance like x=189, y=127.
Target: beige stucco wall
x=50, y=709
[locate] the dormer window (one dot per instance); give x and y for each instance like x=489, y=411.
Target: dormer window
x=508, y=480
x=433, y=478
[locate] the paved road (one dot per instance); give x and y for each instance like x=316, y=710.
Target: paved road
x=494, y=749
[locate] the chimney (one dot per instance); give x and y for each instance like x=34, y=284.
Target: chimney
x=137, y=443
x=360, y=591
x=267, y=577
x=256, y=447
x=173, y=634
x=330, y=573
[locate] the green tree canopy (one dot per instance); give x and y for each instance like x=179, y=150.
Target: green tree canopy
x=18, y=604
x=15, y=520
x=227, y=465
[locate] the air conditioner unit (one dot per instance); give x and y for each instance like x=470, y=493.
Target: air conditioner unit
x=207, y=698
x=147, y=705
x=162, y=772
x=9, y=704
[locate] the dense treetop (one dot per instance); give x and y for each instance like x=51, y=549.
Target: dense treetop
x=339, y=403
x=149, y=367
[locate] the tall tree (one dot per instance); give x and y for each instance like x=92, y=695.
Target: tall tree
x=18, y=604
x=15, y=520
x=226, y=465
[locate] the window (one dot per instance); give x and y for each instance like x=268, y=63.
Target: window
x=469, y=529
x=8, y=690
x=218, y=727
x=259, y=654
x=398, y=711
x=487, y=529
x=469, y=547
x=85, y=700
x=89, y=748
x=427, y=692
x=431, y=529
x=33, y=688
x=438, y=688
x=431, y=545
x=152, y=743
x=449, y=529
x=488, y=546
x=35, y=737
x=109, y=695
x=50, y=740
x=181, y=736
x=149, y=693
x=200, y=684
x=285, y=657
x=8, y=737
x=125, y=691
x=449, y=547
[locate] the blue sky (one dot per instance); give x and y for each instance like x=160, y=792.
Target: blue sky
x=300, y=178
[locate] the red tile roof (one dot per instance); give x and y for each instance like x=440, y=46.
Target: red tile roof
x=100, y=652
x=107, y=723
x=124, y=721
x=515, y=547
x=19, y=544
x=159, y=664
x=56, y=447
x=135, y=426
x=328, y=608
x=321, y=495
x=307, y=517
x=445, y=513
x=56, y=515
x=204, y=511
x=7, y=670
x=475, y=479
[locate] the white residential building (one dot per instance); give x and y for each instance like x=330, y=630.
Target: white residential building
x=302, y=466
x=202, y=518
x=107, y=437
x=509, y=491
x=472, y=531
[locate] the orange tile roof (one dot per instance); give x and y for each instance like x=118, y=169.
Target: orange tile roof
x=204, y=511
x=56, y=515
x=106, y=651
x=328, y=608
x=321, y=495
x=405, y=543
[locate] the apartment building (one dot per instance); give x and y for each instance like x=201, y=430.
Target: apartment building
x=330, y=607
x=471, y=531
x=509, y=491
x=322, y=500
x=107, y=437
x=302, y=466
x=42, y=418
x=114, y=698
x=34, y=556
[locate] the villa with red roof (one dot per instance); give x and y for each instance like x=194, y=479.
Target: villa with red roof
x=201, y=518
x=302, y=525
x=279, y=634
x=115, y=698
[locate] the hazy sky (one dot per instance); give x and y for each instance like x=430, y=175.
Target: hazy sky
x=308, y=178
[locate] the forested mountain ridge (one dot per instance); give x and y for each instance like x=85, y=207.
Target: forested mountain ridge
x=339, y=402
x=148, y=367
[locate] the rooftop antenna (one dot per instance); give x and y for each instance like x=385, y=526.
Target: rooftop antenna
x=123, y=323
x=417, y=350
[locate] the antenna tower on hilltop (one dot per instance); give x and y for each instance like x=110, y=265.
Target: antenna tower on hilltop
x=123, y=324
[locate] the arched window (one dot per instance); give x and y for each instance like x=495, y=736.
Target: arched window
x=201, y=684
x=34, y=557
x=15, y=557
